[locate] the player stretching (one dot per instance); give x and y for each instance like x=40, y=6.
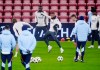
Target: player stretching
x=81, y=30
x=41, y=21
x=55, y=25
x=7, y=44
x=17, y=27
x=27, y=43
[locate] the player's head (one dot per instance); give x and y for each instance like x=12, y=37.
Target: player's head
x=52, y=14
x=7, y=27
x=40, y=8
x=14, y=20
x=73, y=17
x=93, y=9
x=81, y=18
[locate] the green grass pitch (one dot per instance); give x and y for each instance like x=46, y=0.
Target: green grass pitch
x=49, y=60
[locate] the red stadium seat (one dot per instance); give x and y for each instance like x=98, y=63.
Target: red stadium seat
x=34, y=8
x=35, y=2
x=26, y=1
x=54, y=1
x=72, y=1
x=8, y=1
x=90, y=3
x=26, y=13
x=1, y=7
x=7, y=19
x=63, y=19
x=81, y=3
x=17, y=1
x=45, y=5
x=1, y=19
x=26, y=19
x=26, y=7
x=18, y=18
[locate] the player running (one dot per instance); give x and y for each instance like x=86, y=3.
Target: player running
x=7, y=45
x=81, y=31
x=41, y=21
x=55, y=25
x=17, y=28
x=27, y=43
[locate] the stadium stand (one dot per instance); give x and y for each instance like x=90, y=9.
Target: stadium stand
x=24, y=9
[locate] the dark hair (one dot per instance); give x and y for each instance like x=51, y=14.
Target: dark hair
x=7, y=27
x=73, y=15
x=14, y=20
x=93, y=9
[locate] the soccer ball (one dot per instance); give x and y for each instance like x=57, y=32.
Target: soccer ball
x=60, y=58
x=31, y=60
x=34, y=60
x=38, y=59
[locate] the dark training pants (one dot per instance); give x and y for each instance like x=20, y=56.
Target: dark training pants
x=7, y=57
x=80, y=45
x=95, y=36
x=53, y=35
x=38, y=31
x=25, y=60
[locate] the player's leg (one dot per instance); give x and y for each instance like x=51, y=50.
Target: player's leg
x=3, y=58
x=22, y=58
x=27, y=61
x=77, y=50
x=92, y=39
x=17, y=49
x=47, y=40
x=83, y=51
x=53, y=34
x=9, y=59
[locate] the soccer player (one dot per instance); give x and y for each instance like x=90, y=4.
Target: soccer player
x=94, y=28
x=17, y=28
x=74, y=18
x=7, y=44
x=55, y=25
x=41, y=21
x=81, y=30
x=90, y=13
x=27, y=43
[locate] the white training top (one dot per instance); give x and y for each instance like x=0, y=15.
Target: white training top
x=17, y=27
x=94, y=20
x=53, y=22
x=41, y=19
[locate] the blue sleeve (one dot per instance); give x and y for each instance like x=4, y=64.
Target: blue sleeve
x=20, y=45
x=33, y=44
x=13, y=42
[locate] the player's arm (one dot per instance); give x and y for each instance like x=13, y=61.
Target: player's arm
x=59, y=23
x=36, y=19
x=15, y=31
x=28, y=25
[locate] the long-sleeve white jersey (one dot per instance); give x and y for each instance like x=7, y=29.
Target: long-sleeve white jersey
x=17, y=27
x=41, y=19
x=94, y=21
x=53, y=22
